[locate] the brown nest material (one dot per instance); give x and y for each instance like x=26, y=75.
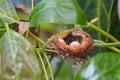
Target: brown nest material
x=75, y=45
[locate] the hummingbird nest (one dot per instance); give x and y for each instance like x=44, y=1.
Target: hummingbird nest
x=75, y=45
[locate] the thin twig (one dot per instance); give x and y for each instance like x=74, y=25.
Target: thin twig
x=48, y=50
x=109, y=36
x=43, y=65
x=108, y=45
x=41, y=41
x=49, y=66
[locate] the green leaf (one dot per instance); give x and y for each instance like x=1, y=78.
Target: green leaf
x=100, y=9
x=48, y=27
x=7, y=12
x=1, y=23
x=57, y=11
x=115, y=21
x=66, y=71
x=101, y=67
x=17, y=60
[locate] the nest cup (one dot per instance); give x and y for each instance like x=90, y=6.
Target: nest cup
x=76, y=45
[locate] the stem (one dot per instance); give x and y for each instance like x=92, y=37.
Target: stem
x=43, y=65
x=114, y=49
x=109, y=18
x=49, y=66
x=103, y=44
x=49, y=50
x=102, y=32
x=33, y=4
x=117, y=44
x=41, y=41
x=98, y=16
x=27, y=32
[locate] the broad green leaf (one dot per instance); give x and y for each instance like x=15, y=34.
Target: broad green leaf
x=52, y=27
x=2, y=31
x=17, y=59
x=115, y=20
x=100, y=9
x=1, y=23
x=57, y=11
x=7, y=12
x=48, y=27
x=105, y=66
x=66, y=71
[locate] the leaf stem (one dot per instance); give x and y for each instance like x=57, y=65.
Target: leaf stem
x=98, y=16
x=41, y=41
x=43, y=65
x=109, y=45
x=117, y=44
x=49, y=66
x=27, y=32
x=109, y=16
x=102, y=32
x=49, y=50
x=33, y=4
x=114, y=49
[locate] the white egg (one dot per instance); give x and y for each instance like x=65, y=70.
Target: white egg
x=74, y=43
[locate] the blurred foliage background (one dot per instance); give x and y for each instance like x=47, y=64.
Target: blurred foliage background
x=99, y=66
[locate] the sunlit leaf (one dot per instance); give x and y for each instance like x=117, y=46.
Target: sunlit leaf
x=101, y=67
x=7, y=12
x=17, y=59
x=57, y=11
